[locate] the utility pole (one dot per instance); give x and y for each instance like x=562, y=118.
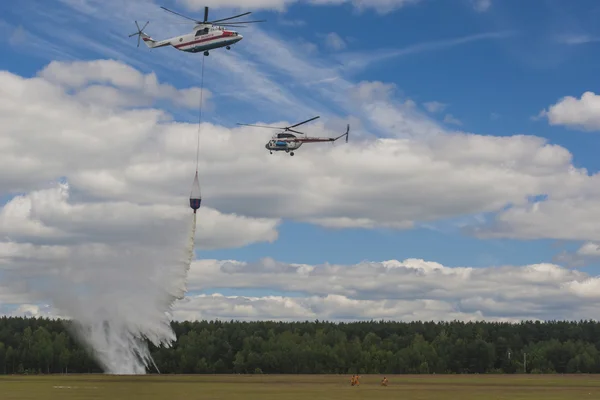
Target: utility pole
x=525, y=363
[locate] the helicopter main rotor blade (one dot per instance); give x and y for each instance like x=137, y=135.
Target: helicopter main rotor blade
x=308, y=120
x=242, y=22
x=236, y=16
x=262, y=126
x=181, y=15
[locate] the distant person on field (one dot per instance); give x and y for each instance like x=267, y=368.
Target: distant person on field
x=384, y=381
x=353, y=380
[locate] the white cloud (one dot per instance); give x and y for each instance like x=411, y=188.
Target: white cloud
x=451, y=119
x=141, y=156
x=407, y=290
x=81, y=75
x=370, y=92
x=589, y=250
x=334, y=41
x=585, y=255
x=572, y=215
x=481, y=5
x=50, y=216
x=583, y=113
x=435, y=106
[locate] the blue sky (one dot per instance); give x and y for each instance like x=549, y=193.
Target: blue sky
x=495, y=70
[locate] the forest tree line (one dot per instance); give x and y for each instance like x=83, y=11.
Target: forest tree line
x=31, y=345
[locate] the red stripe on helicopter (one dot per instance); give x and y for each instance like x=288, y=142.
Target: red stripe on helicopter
x=225, y=33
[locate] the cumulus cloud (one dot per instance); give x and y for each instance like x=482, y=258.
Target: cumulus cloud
x=582, y=113
x=125, y=165
x=142, y=156
x=50, y=216
x=114, y=83
x=113, y=158
x=412, y=289
x=585, y=255
x=571, y=215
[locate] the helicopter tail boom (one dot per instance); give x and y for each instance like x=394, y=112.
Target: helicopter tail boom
x=151, y=43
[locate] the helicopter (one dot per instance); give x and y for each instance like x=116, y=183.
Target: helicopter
x=204, y=37
x=289, y=142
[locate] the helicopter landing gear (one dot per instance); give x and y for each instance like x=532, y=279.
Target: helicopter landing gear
x=228, y=47
x=206, y=53
x=292, y=153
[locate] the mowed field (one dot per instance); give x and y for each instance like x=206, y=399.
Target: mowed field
x=300, y=387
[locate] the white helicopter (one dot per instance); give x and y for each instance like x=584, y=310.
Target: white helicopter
x=204, y=37
x=289, y=142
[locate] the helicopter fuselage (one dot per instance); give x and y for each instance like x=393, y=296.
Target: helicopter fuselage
x=283, y=142
x=282, y=145
x=202, y=38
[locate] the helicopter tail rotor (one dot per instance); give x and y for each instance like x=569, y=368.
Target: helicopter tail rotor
x=342, y=135
x=140, y=32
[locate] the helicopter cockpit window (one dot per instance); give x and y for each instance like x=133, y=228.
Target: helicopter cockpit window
x=202, y=32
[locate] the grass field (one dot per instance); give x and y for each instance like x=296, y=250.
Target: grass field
x=296, y=387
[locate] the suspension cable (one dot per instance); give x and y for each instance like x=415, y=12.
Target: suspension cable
x=200, y=114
